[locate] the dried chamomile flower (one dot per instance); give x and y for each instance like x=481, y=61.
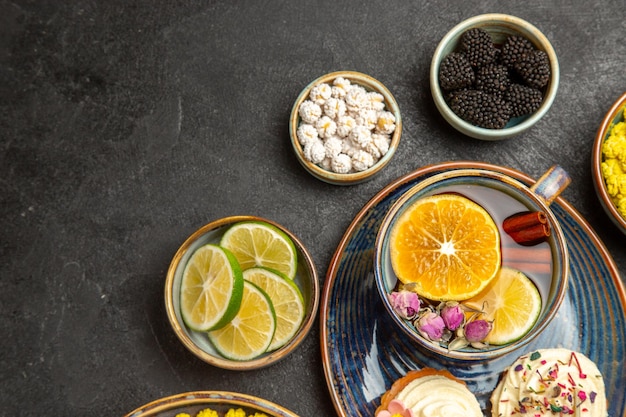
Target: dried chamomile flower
x=320, y=93
x=386, y=123
x=306, y=133
x=314, y=151
x=361, y=160
x=341, y=164
x=326, y=127
x=309, y=111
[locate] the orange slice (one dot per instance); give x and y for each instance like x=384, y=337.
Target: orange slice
x=446, y=247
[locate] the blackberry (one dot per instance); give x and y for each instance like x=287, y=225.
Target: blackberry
x=513, y=47
x=493, y=79
x=455, y=72
x=481, y=109
x=478, y=46
x=534, y=68
x=523, y=100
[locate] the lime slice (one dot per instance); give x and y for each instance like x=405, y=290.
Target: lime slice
x=211, y=288
x=250, y=332
x=261, y=244
x=286, y=298
x=512, y=302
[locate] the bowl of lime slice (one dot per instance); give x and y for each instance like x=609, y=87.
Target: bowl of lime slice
x=241, y=292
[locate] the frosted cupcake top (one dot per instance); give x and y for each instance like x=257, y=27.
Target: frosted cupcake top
x=551, y=382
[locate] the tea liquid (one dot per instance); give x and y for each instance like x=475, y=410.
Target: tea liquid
x=534, y=261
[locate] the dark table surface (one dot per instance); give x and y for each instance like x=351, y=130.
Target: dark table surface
x=125, y=126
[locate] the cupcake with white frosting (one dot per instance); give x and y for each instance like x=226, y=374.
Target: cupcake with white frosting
x=551, y=382
x=429, y=393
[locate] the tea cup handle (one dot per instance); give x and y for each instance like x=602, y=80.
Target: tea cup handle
x=551, y=184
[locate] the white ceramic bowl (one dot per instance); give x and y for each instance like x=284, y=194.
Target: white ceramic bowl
x=613, y=116
x=499, y=26
x=197, y=342
x=370, y=84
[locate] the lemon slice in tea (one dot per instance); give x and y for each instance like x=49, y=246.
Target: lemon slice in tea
x=286, y=298
x=211, y=288
x=261, y=244
x=250, y=332
x=512, y=302
x=446, y=246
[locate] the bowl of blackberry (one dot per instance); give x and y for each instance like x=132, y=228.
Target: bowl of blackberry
x=494, y=76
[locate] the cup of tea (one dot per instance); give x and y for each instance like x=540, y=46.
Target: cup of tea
x=471, y=263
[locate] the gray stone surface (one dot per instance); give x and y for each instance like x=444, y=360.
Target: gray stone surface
x=125, y=126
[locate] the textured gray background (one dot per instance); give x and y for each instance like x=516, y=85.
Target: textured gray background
x=125, y=126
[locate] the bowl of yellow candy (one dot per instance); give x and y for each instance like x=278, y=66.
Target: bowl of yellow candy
x=608, y=163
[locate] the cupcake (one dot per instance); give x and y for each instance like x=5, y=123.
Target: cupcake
x=551, y=382
x=429, y=392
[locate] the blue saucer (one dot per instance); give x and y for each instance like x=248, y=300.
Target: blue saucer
x=364, y=352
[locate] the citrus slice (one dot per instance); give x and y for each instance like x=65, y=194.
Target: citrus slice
x=286, y=298
x=211, y=288
x=446, y=246
x=250, y=332
x=512, y=302
x=261, y=244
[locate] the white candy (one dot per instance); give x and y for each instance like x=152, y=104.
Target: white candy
x=344, y=128
x=356, y=98
x=367, y=118
x=345, y=124
x=320, y=93
x=333, y=146
x=375, y=101
x=341, y=164
x=309, y=112
x=326, y=164
x=340, y=87
x=382, y=142
x=314, y=151
x=386, y=123
x=362, y=160
x=334, y=108
x=360, y=135
x=306, y=133
x=326, y=127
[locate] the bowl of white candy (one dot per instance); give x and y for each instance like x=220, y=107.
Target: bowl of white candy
x=345, y=127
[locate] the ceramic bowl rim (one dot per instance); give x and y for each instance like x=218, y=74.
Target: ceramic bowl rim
x=513, y=23
x=206, y=398
x=305, y=260
x=356, y=177
x=555, y=299
x=602, y=133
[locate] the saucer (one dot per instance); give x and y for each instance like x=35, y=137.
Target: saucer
x=363, y=352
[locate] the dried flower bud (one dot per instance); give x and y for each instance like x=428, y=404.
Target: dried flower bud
x=452, y=315
x=405, y=303
x=430, y=325
x=477, y=330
